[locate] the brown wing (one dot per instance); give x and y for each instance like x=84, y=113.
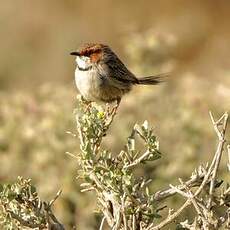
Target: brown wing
x=119, y=71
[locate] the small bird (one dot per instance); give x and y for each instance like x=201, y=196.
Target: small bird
x=101, y=76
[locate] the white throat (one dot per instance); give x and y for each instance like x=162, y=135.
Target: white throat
x=83, y=62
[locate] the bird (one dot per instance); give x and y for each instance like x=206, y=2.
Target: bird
x=101, y=76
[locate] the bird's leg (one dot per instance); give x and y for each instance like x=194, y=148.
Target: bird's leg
x=118, y=103
x=107, y=107
x=87, y=103
x=114, y=109
x=111, y=110
x=110, y=113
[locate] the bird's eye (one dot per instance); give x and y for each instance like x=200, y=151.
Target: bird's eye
x=93, y=51
x=89, y=53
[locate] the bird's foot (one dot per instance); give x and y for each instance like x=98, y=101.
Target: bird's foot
x=112, y=109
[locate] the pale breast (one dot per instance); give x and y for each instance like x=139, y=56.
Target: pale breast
x=82, y=80
x=95, y=87
x=88, y=84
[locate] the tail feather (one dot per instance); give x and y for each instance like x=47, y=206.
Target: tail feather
x=153, y=80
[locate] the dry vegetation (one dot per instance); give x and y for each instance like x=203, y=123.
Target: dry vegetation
x=123, y=198
x=34, y=139
x=36, y=121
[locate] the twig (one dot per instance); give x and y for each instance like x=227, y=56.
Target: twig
x=134, y=223
x=52, y=221
x=193, y=182
x=123, y=211
x=180, y=192
x=137, y=161
x=79, y=129
x=87, y=189
x=212, y=169
x=227, y=191
x=55, y=198
x=105, y=210
x=187, y=195
x=191, y=196
x=221, y=137
x=228, y=152
x=217, y=123
x=72, y=155
x=94, y=177
x=171, y=217
x=117, y=223
x=102, y=223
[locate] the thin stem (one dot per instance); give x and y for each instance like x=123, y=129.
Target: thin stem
x=221, y=137
x=228, y=152
x=137, y=161
x=171, y=217
x=102, y=223
x=193, y=182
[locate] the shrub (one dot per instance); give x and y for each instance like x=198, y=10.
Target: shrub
x=124, y=199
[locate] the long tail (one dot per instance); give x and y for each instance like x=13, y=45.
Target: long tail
x=153, y=80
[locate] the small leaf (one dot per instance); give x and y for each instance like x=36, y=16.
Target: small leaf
x=33, y=189
x=1, y=188
x=145, y=125
x=152, y=215
x=127, y=179
x=11, y=196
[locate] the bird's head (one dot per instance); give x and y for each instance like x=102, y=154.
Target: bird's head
x=91, y=54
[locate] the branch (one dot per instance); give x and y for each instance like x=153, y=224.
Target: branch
x=192, y=198
x=171, y=217
x=138, y=161
x=124, y=199
x=102, y=223
x=193, y=182
x=228, y=152
x=221, y=136
x=210, y=174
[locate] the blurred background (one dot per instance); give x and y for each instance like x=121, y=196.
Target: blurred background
x=190, y=39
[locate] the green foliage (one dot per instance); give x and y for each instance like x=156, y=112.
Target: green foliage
x=112, y=177
x=20, y=199
x=20, y=207
x=124, y=199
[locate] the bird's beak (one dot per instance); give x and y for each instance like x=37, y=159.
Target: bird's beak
x=75, y=53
